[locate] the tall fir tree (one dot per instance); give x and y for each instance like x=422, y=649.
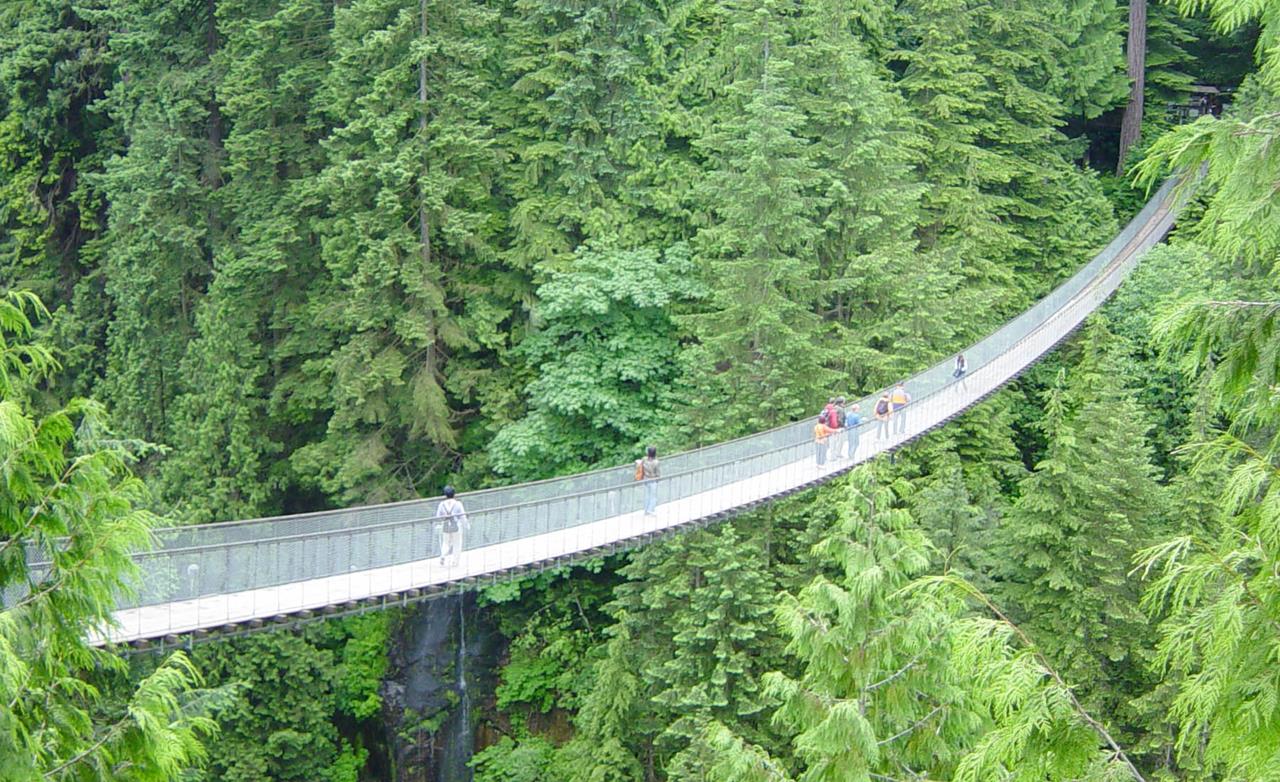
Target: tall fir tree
x=163, y=222
x=408, y=227
x=758, y=358
x=875, y=696
x=1005, y=197
x=1070, y=539
x=237, y=416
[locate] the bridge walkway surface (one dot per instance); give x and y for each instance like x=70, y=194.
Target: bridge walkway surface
x=237, y=576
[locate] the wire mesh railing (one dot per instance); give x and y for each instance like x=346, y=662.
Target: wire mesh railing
x=510, y=523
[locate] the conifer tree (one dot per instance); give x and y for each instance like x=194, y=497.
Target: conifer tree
x=690, y=643
x=1083, y=57
x=1069, y=540
x=67, y=498
x=1005, y=198
x=584, y=128
x=721, y=644
x=406, y=191
x=54, y=68
x=231, y=424
x=604, y=745
x=875, y=696
x=759, y=356
x=163, y=224
x=886, y=300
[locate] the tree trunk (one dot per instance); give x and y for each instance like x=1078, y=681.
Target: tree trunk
x=424, y=224
x=1136, y=51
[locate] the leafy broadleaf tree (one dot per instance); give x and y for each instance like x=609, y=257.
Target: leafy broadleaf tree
x=69, y=518
x=605, y=352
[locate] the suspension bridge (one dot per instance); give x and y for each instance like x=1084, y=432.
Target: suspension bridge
x=240, y=576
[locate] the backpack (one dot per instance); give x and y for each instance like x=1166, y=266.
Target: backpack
x=829, y=415
x=639, y=469
x=882, y=406
x=852, y=419
x=451, y=519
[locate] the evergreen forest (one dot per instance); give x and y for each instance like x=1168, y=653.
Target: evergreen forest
x=261, y=257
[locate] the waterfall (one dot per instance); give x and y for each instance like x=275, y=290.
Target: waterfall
x=465, y=739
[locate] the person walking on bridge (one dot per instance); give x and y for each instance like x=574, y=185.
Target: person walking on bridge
x=821, y=432
x=962, y=366
x=835, y=423
x=883, y=412
x=852, y=420
x=453, y=519
x=900, y=399
x=648, y=470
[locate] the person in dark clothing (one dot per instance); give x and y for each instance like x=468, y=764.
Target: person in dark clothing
x=962, y=366
x=883, y=412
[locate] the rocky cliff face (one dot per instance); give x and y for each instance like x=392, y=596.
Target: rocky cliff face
x=444, y=660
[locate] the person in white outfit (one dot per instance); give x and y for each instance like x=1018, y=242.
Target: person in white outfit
x=453, y=520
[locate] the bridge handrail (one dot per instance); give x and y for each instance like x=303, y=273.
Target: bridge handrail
x=863, y=428
x=925, y=384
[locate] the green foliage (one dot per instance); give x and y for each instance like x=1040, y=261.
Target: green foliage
x=605, y=352
x=873, y=698
x=1067, y=543
x=387, y=314
x=337, y=252
x=232, y=425
x=362, y=662
x=279, y=728
x=507, y=761
x=69, y=518
x=1004, y=198
x=758, y=358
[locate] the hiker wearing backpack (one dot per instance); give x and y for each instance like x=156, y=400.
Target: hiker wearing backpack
x=821, y=434
x=648, y=470
x=900, y=399
x=828, y=413
x=883, y=412
x=453, y=519
x=852, y=420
